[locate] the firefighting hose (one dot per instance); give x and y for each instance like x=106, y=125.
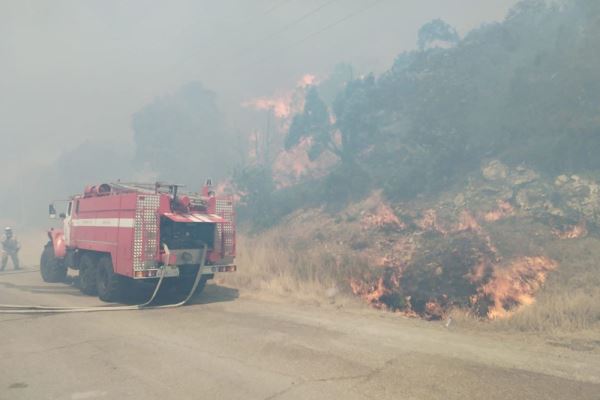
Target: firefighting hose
x=24, y=309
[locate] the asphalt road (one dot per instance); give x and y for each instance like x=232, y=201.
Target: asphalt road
x=227, y=346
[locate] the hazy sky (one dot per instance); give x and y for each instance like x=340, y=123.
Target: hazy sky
x=76, y=70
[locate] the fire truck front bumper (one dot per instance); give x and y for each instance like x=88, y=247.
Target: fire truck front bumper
x=172, y=271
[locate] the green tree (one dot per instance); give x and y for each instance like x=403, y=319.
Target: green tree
x=336, y=81
x=356, y=111
x=436, y=31
x=355, y=126
x=314, y=122
x=254, y=184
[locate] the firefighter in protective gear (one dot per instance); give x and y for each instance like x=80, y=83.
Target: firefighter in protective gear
x=10, y=247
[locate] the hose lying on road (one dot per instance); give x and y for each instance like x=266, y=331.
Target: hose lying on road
x=34, y=309
x=19, y=271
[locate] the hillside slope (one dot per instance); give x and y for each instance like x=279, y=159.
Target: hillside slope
x=464, y=179
x=506, y=242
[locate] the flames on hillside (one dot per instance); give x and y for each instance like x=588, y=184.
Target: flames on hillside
x=514, y=285
x=571, y=231
x=431, y=259
x=504, y=210
x=285, y=103
x=291, y=166
x=499, y=290
x=457, y=267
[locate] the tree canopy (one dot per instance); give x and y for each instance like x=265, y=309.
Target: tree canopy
x=525, y=90
x=347, y=130
x=436, y=32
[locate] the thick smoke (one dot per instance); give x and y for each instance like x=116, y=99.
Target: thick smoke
x=74, y=74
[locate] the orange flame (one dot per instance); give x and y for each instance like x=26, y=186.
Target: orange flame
x=307, y=80
x=478, y=272
x=292, y=166
x=382, y=217
x=499, y=290
x=515, y=286
x=572, y=232
x=371, y=292
x=376, y=291
x=504, y=210
x=467, y=223
x=434, y=309
x=289, y=167
x=282, y=104
x=429, y=222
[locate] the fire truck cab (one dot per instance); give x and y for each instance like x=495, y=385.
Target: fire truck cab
x=117, y=233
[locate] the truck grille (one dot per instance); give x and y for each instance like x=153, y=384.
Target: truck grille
x=225, y=231
x=145, y=240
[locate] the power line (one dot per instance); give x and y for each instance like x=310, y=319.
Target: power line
x=324, y=29
x=293, y=23
x=275, y=7
x=297, y=21
x=243, y=23
x=280, y=31
x=266, y=12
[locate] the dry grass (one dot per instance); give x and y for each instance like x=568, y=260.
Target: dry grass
x=273, y=263
x=569, y=302
x=570, y=299
x=310, y=257
x=574, y=315
x=566, y=311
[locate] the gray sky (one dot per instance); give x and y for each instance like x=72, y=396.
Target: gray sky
x=76, y=70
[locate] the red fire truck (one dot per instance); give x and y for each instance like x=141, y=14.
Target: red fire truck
x=117, y=233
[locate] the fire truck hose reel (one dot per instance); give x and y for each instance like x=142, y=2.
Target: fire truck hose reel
x=24, y=309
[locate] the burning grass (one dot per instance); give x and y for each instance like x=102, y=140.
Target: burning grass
x=495, y=250
x=391, y=266
x=570, y=300
x=515, y=286
x=431, y=277
x=505, y=209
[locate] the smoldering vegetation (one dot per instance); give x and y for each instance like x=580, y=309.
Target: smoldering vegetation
x=465, y=252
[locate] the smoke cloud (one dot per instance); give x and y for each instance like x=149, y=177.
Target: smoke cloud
x=73, y=73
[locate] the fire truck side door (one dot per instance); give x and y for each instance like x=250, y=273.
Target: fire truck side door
x=67, y=224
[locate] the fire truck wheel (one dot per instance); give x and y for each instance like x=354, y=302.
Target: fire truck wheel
x=110, y=286
x=87, y=275
x=51, y=268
